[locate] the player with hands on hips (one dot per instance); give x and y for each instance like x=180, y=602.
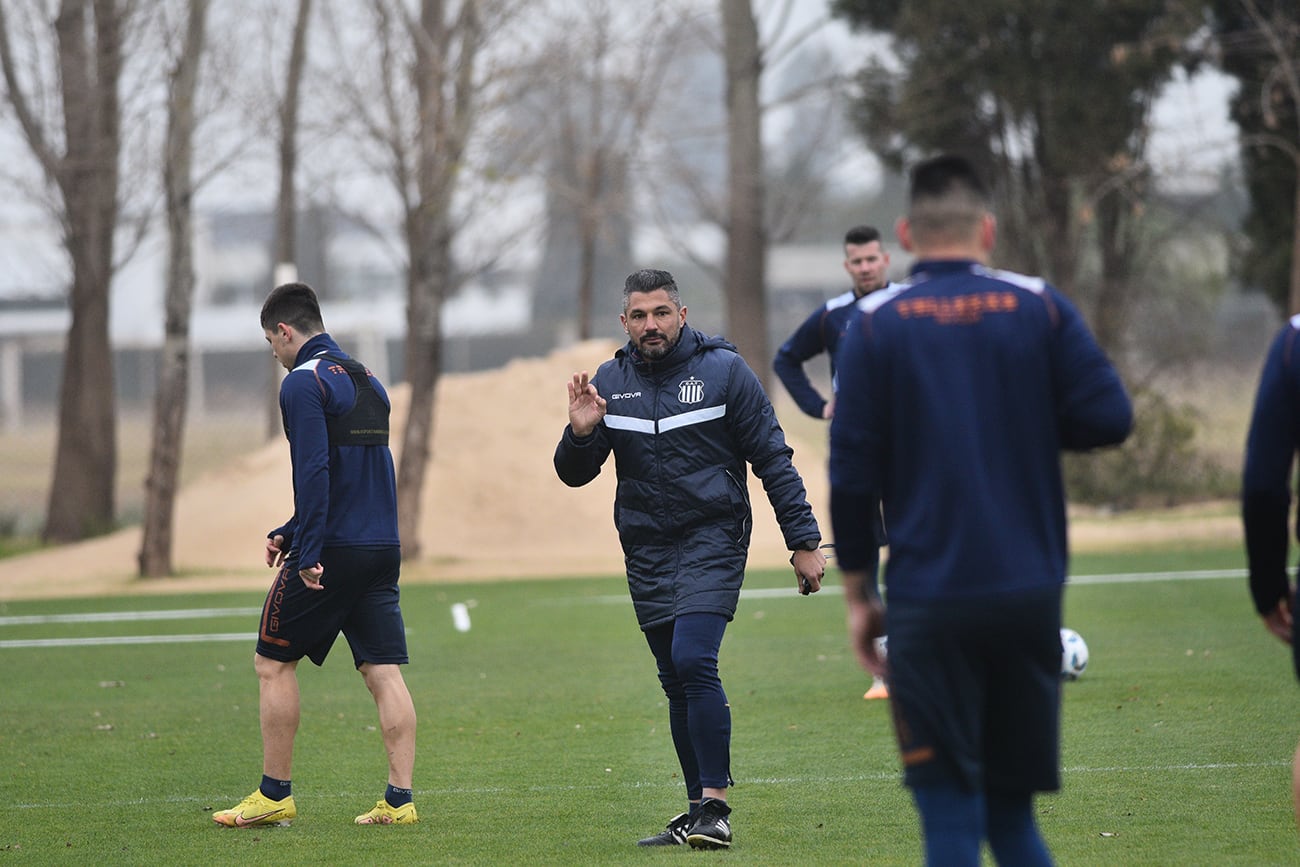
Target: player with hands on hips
x=866, y=262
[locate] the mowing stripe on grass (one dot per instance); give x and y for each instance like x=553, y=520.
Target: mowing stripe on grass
x=455, y=791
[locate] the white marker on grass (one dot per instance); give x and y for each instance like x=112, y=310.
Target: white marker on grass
x=460, y=617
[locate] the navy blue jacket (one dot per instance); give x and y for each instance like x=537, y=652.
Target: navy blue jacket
x=682, y=430
x=343, y=496
x=1270, y=453
x=957, y=392
x=819, y=333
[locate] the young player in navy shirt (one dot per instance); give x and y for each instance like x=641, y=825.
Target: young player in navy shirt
x=337, y=560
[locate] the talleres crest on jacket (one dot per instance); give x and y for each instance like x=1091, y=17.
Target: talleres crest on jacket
x=690, y=390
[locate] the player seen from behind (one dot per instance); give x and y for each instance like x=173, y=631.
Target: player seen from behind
x=957, y=392
x=338, y=560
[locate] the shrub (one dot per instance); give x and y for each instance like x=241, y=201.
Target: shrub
x=1158, y=465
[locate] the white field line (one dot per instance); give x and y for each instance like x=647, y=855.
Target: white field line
x=452, y=791
x=1115, y=578
x=129, y=616
x=207, y=613
x=1140, y=577
x=14, y=643
x=126, y=617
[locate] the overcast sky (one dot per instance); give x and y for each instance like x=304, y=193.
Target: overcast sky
x=1192, y=139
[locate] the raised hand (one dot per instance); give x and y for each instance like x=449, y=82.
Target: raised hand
x=586, y=406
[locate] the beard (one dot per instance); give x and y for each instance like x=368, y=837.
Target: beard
x=657, y=351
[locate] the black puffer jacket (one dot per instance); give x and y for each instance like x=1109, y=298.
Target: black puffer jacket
x=682, y=430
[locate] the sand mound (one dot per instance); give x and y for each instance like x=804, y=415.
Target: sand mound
x=492, y=506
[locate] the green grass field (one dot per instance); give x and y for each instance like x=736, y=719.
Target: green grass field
x=544, y=738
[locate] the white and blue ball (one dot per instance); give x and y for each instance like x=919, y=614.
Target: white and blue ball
x=1074, y=655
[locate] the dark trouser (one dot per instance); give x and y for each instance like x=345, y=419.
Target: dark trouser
x=957, y=820
x=698, y=714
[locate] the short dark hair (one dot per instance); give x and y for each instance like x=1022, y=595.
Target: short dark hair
x=861, y=235
x=295, y=305
x=947, y=197
x=649, y=280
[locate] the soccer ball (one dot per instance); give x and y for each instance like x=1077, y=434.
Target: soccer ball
x=1074, y=654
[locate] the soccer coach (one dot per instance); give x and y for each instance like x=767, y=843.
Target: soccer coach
x=683, y=415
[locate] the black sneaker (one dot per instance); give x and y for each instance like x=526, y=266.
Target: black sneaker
x=712, y=830
x=673, y=835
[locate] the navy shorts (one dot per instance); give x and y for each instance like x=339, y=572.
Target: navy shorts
x=975, y=689
x=359, y=599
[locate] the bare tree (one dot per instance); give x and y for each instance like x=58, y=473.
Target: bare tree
x=1279, y=99
x=172, y=397
x=745, y=278
x=416, y=101
x=286, y=204
x=768, y=184
x=78, y=152
x=601, y=75
x=443, y=76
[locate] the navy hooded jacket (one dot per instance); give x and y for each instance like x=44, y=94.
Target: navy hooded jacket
x=682, y=430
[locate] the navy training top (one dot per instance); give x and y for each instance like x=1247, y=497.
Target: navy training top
x=819, y=333
x=343, y=495
x=957, y=392
x=1270, y=453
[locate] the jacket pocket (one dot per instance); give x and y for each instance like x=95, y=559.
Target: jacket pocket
x=742, y=512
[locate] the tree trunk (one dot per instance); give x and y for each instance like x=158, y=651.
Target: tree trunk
x=172, y=397
x=744, y=283
x=427, y=288
x=285, y=258
x=1116, y=243
x=1059, y=235
x=589, y=223
x=445, y=102
x=85, y=460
